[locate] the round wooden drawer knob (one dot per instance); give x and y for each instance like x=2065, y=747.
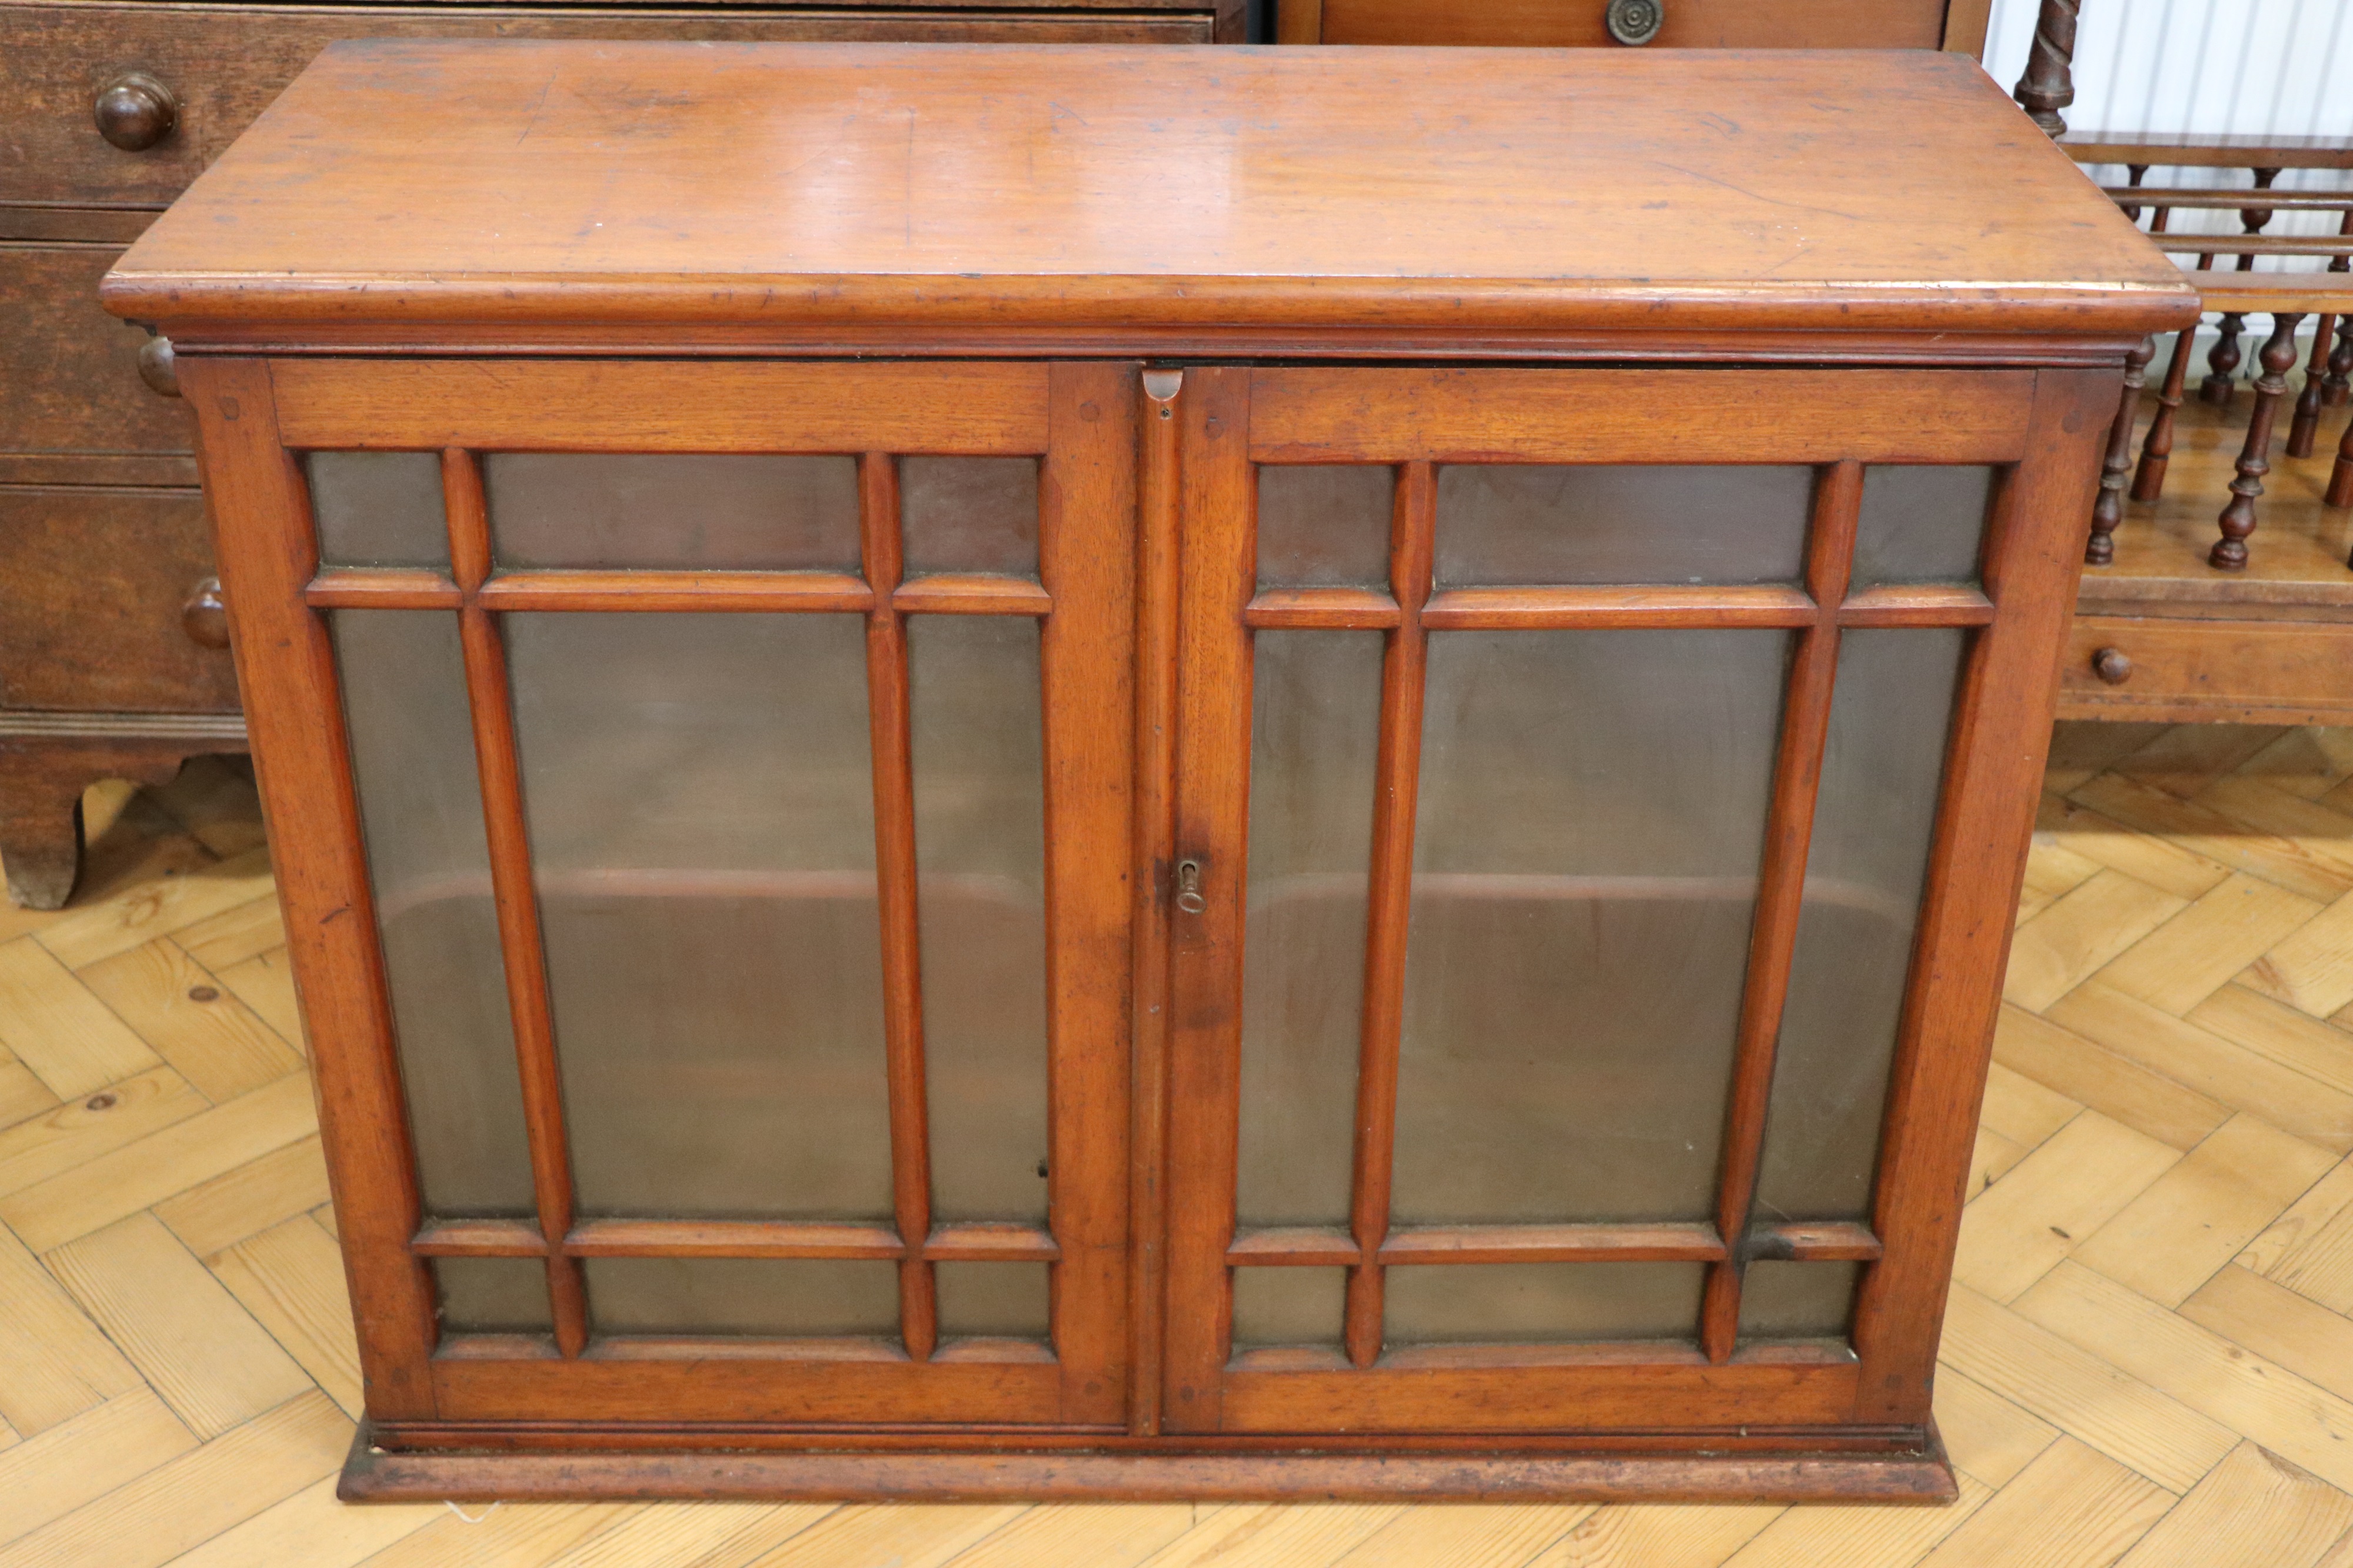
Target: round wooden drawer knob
x=2111, y=665
x=1634, y=21
x=156, y=367
x=134, y=111
x=204, y=617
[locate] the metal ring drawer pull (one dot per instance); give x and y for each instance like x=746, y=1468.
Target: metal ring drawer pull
x=134, y=111
x=1635, y=21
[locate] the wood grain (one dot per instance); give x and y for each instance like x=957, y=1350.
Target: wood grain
x=213, y=1365
x=294, y=710
x=489, y=705
x=1388, y=893
x=1562, y=135
x=893, y=769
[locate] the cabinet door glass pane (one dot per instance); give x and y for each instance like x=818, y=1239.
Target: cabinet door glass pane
x=1289, y=1307
x=1921, y=524
x=701, y=807
x=420, y=811
x=656, y=510
x=379, y=509
x=764, y=1296
x=1324, y=526
x=993, y=1301
x=1537, y=1303
x=1591, y=815
x=980, y=815
x=1882, y=768
x=1782, y=1300
x=1315, y=725
x=492, y=1295
x=969, y=514
x=1505, y=523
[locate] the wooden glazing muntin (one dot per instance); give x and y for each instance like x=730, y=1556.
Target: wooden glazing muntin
x=1339, y=607
x=1307, y=609
x=981, y=1247
x=642, y=1376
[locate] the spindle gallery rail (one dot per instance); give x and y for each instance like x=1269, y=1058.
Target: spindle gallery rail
x=2288, y=296
x=2259, y=637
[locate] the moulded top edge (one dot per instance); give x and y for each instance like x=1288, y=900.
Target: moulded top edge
x=411, y=179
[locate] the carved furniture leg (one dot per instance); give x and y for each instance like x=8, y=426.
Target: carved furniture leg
x=2305, y=427
x=2049, y=84
x=2335, y=390
x=2237, y=519
x=2157, y=450
x=2109, y=509
x=42, y=775
x=40, y=829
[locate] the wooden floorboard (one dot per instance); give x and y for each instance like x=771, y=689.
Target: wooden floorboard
x=2148, y=1361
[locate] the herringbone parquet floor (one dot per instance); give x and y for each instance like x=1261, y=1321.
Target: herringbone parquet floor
x=2149, y=1357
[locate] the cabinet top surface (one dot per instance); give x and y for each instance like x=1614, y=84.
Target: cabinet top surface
x=404, y=182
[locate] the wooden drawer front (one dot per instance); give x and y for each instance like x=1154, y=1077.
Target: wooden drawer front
x=225, y=64
x=91, y=585
x=70, y=379
x=2293, y=672
x=1688, y=24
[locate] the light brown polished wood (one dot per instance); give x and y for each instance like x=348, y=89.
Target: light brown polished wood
x=926, y=153
x=706, y=325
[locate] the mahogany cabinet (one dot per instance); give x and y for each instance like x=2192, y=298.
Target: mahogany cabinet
x=1109, y=772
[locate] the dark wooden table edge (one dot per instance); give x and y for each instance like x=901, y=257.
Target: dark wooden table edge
x=371, y=1475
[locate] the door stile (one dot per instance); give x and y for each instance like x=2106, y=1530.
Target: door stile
x=887, y=707
x=1780, y=894
x=294, y=713
x=1389, y=907
x=1086, y=559
x=1218, y=568
x=1157, y=503
x=489, y=701
x=1992, y=781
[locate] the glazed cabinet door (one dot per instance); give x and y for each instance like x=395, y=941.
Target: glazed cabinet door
x=660, y=758
x=1599, y=800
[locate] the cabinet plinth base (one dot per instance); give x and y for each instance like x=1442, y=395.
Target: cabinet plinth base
x=1919, y=1476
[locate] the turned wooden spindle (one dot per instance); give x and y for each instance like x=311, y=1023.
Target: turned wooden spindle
x=2157, y=448
x=2109, y=509
x=2340, y=477
x=2222, y=360
x=2222, y=363
x=2338, y=388
x=2134, y=174
x=2306, y=428
x=2237, y=519
x=2049, y=84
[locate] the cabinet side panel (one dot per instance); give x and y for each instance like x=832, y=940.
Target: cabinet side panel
x=2001, y=736
x=285, y=666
